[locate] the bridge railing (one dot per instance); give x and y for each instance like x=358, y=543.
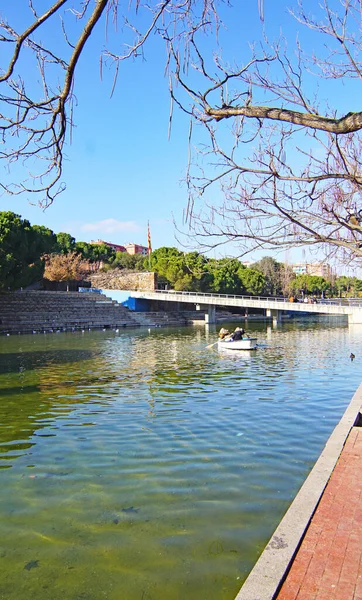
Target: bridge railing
x=342, y=301
x=330, y=301
x=226, y=296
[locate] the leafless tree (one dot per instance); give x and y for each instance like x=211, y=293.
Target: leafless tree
x=38, y=73
x=286, y=162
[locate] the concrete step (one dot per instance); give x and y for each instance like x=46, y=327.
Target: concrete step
x=30, y=311
x=51, y=311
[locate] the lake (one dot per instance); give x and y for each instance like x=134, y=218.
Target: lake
x=139, y=465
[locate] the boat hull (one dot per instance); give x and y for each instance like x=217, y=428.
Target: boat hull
x=245, y=344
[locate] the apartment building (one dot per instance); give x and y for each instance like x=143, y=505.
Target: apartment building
x=319, y=269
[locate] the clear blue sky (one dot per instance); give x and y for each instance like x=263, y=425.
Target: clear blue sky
x=121, y=169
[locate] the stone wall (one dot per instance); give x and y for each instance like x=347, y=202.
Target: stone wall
x=120, y=279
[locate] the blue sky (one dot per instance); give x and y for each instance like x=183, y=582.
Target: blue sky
x=121, y=169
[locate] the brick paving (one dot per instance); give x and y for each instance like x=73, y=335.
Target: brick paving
x=328, y=564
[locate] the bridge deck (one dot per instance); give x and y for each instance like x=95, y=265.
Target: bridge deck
x=351, y=308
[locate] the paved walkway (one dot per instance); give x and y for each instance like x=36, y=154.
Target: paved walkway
x=328, y=564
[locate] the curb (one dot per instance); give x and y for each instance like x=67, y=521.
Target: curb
x=265, y=579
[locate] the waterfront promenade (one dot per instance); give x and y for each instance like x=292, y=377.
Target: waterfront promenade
x=328, y=564
x=316, y=551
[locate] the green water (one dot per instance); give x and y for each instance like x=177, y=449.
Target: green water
x=139, y=465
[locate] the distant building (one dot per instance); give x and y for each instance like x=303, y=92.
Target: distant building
x=319, y=269
x=136, y=249
x=115, y=247
x=129, y=248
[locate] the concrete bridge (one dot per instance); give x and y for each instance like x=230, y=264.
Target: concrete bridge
x=273, y=306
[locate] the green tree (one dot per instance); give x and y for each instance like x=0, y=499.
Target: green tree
x=226, y=277
x=43, y=239
x=192, y=271
x=161, y=258
x=197, y=267
x=300, y=284
x=343, y=285
x=181, y=270
x=65, y=243
x=102, y=252
x=184, y=282
x=357, y=285
x=20, y=251
x=253, y=281
x=318, y=285
x=84, y=249
x=91, y=252
x=136, y=262
x=347, y=286
x=310, y=284
x=168, y=263
x=177, y=275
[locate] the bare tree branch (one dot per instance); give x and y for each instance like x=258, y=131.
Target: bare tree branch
x=36, y=119
x=272, y=164
x=288, y=172
x=347, y=124
x=20, y=39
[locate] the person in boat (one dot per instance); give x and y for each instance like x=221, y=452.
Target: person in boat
x=223, y=333
x=238, y=334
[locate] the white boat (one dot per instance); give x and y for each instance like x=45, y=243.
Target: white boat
x=245, y=344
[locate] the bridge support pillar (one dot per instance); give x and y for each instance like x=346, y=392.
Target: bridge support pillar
x=276, y=315
x=210, y=315
x=355, y=318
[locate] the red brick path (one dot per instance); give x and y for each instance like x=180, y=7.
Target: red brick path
x=328, y=565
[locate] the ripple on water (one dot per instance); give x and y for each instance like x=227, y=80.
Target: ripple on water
x=144, y=466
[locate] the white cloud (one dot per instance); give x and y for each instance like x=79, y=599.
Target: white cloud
x=110, y=226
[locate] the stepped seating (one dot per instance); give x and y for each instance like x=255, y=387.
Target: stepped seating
x=29, y=311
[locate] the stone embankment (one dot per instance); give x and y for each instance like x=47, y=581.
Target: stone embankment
x=28, y=311
x=121, y=279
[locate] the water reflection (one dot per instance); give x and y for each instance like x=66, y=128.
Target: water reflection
x=30, y=359
x=142, y=465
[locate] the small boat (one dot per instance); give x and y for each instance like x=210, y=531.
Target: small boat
x=246, y=343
